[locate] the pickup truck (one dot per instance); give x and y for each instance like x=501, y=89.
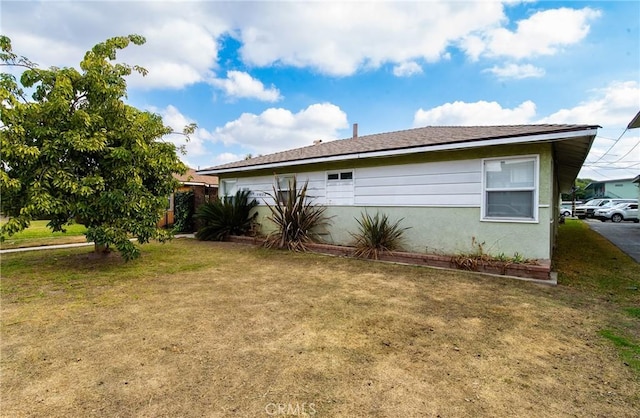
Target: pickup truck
x=587, y=210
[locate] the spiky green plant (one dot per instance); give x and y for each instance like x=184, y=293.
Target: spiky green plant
x=376, y=235
x=295, y=217
x=230, y=215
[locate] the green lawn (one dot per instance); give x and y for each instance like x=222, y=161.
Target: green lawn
x=39, y=234
x=197, y=328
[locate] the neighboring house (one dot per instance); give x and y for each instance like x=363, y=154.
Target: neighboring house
x=204, y=188
x=615, y=189
x=636, y=181
x=499, y=185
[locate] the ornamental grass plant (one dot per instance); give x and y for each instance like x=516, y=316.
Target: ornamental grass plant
x=377, y=234
x=296, y=218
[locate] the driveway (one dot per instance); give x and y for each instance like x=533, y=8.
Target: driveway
x=625, y=235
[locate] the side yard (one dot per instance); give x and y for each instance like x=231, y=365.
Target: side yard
x=38, y=235
x=218, y=329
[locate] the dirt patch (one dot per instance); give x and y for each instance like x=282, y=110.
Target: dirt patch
x=208, y=329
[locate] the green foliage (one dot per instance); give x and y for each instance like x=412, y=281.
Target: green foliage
x=295, y=217
x=581, y=185
x=183, y=208
x=76, y=151
x=628, y=349
x=376, y=235
x=230, y=215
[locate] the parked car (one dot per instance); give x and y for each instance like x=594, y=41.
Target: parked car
x=618, y=213
x=587, y=210
x=566, y=207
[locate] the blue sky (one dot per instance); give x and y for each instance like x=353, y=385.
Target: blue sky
x=261, y=77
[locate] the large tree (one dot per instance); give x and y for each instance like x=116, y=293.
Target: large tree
x=73, y=150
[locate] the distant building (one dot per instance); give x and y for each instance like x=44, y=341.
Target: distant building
x=617, y=189
x=204, y=188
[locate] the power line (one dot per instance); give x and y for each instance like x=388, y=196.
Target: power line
x=611, y=147
x=629, y=152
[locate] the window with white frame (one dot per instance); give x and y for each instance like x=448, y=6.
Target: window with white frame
x=283, y=184
x=228, y=187
x=510, y=189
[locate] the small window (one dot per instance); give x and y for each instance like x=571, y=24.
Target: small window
x=283, y=185
x=348, y=175
x=342, y=175
x=510, y=189
x=228, y=187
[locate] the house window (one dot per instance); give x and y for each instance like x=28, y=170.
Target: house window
x=343, y=175
x=283, y=184
x=510, y=189
x=340, y=188
x=228, y=187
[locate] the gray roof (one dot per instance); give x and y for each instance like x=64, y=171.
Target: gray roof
x=407, y=139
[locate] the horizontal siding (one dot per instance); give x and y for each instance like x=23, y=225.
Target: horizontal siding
x=423, y=189
x=468, y=200
x=448, y=184
x=260, y=186
x=418, y=179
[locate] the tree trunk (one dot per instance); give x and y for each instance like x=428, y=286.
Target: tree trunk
x=101, y=248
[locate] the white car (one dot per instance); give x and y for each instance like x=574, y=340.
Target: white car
x=618, y=213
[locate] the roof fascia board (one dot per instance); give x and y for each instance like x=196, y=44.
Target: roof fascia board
x=191, y=183
x=558, y=136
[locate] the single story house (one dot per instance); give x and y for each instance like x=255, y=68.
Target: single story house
x=452, y=185
x=203, y=187
x=617, y=189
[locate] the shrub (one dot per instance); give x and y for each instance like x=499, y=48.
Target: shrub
x=376, y=235
x=295, y=217
x=183, y=203
x=227, y=216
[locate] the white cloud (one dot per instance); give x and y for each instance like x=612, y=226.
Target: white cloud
x=338, y=38
x=181, y=46
x=226, y=157
x=407, y=69
x=279, y=129
x=612, y=106
x=516, y=71
x=544, y=33
x=478, y=113
x=239, y=84
x=196, y=145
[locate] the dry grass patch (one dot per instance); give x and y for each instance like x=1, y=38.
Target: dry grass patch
x=215, y=329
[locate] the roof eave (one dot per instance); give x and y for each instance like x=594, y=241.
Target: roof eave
x=539, y=138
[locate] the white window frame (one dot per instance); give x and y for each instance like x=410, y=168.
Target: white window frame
x=535, y=189
x=224, y=186
x=340, y=173
x=289, y=177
